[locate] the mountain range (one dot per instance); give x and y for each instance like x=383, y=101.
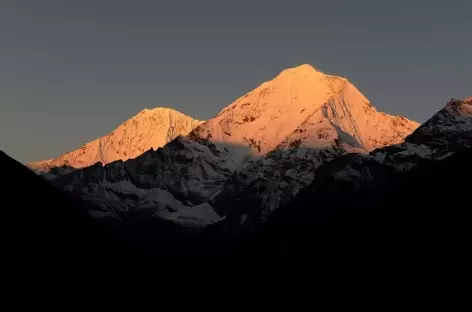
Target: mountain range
x=262, y=148
x=358, y=212
x=253, y=157
x=302, y=167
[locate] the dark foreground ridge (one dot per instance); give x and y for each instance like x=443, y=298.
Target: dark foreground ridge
x=396, y=218
x=420, y=217
x=400, y=220
x=44, y=226
x=49, y=226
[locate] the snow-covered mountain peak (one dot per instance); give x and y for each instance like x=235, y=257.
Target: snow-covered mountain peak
x=159, y=110
x=455, y=119
x=302, y=104
x=304, y=69
x=149, y=129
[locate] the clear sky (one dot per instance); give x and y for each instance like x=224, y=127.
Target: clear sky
x=73, y=70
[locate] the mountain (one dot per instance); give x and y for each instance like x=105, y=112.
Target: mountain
x=303, y=107
x=255, y=154
x=448, y=131
x=298, y=121
x=150, y=129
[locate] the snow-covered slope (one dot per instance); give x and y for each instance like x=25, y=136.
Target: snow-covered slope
x=256, y=153
x=149, y=129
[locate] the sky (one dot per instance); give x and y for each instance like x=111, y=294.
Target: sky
x=73, y=70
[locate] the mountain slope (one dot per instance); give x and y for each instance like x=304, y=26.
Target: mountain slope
x=149, y=129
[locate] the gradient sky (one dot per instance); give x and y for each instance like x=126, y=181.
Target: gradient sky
x=71, y=71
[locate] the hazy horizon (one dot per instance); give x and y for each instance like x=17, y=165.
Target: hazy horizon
x=73, y=71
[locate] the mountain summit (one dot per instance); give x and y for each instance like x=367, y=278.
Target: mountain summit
x=304, y=107
x=151, y=128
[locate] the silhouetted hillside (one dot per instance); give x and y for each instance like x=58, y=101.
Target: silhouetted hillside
x=418, y=217
x=42, y=225
x=46, y=228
